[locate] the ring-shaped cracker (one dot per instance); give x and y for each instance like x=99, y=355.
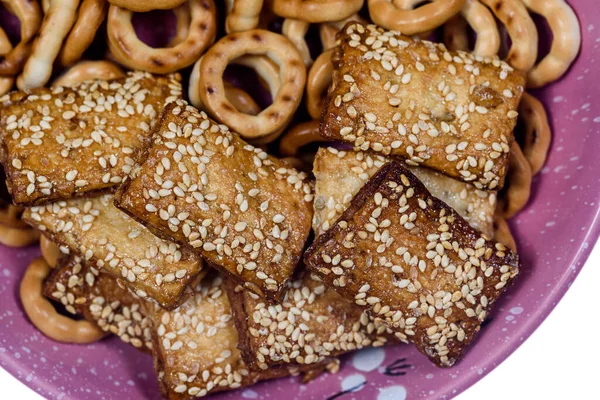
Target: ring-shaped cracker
x=18, y=237
x=266, y=70
x=299, y=136
x=90, y=16
x=537, y=132
x=566, y=41
x=30, y=16
x=318, y=81
x=130, y=51
x=521, y=29
x=518, y=191
x=55, y=27
x=50, y=251
x=292, y=76
x=503, y=234
x=10, y=215
x=295, y=30
x=241, y=100
x=87, y=71
x=44, y=316
x=242, y=15
x=315, y=11
x=6, y=82
x=146, y=5
x=183, y=19
x=480, y=18
x=413, y=21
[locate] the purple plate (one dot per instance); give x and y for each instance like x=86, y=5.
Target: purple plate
x=555, y=233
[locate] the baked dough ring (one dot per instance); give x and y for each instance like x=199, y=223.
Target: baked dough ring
x=537, y=132
x=521, y=29
x=130, y=51
x=315, y=11
x=241, y=100
x=183, y=19
x=56, y=25
x=6, y=82
x=519, y=184
x=148, y=5
x=566, y=41
x=503, y=234
x=482, y=21
x=18, y=237
x=242, y=15
x=391, y=15
x=30, y=16
x=266, y=70
x=299, y=136
x=295, y=30
x=10, y=216
x=90, y=16
x=50, y=251
x=317, y=83
x=87, y=71
x=44, y=317
x=292, y=76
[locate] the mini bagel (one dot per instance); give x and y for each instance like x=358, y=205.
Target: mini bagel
x=520, y=28
x=18, y=237
x=315, y=11
x=292, y=77
x=144, y=6
x=242, y=15
x=537, y=132
x=317, y=83
x=89, y=70
x=50, y=251
x=131, y=52
x=266, y=70
x=183, y=19
x=241, y=100
x=299, y=136
x=6, y=82
x=30, y=16
x=10, y=216
x=391, y=15
x=503, y=234
x=44, y=316
x=482, y=21
x=90, y=16
x=56, y=25
x=295, y=30
x=566, y=41
x=518, y=191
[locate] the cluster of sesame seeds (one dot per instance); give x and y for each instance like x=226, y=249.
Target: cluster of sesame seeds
x=109, y=239
x=437, y=277
x=454, y=112
x=82, y=289
x=199, y=341
x=245, y=211
x=341, y=174
x=304, y=328
x=91, y=134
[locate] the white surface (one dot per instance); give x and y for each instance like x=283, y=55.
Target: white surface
x=559, y=361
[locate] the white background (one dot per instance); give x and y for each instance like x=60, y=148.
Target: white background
x=559, y=361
